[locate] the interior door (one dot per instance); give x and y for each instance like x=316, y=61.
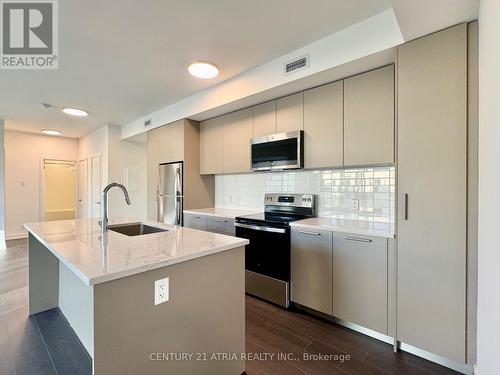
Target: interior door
x=95, y=189
x=82, y=189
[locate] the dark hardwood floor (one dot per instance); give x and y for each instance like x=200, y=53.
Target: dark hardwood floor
x=45, y=344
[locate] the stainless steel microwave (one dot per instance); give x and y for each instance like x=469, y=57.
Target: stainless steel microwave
x=278, y=151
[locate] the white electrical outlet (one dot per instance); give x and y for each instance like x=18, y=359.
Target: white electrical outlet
x=355, y=204
x=161, y=291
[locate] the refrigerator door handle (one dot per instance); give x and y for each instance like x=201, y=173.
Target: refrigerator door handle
x=178, y=194
x=159, y=202
x=178, y=213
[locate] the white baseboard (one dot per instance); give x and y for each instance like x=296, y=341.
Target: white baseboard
x=2, y=240
x=463, y=368
x=16, y=236
x=467, y=369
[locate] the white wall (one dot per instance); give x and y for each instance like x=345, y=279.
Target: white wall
x=117, y=155
x=488, y=328
x=93, y=144
x=23, y=155
x=122, y=155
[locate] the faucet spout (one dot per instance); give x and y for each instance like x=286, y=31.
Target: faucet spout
x=104, y=222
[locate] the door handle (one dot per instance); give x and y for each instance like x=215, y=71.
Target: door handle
x=358, y=239
x=406, y=206
x=309, y=233
x=220, y=220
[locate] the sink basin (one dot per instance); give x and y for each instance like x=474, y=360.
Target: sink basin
x=136, y=229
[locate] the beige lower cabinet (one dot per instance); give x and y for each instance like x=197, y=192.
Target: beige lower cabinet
x=324, y=126
x=238, y=130
x=195, y=221
x=221, y=225
x=215, y=224
x=360, y=280
x=311, y=270
x=369, y=118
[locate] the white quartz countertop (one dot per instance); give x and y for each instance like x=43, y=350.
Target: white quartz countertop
x=229, y=213
x=97, y=258
x=366, y=228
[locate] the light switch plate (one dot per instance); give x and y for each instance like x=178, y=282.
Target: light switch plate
x=161, y=291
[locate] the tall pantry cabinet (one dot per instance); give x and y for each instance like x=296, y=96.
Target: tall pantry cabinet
x=432, y=193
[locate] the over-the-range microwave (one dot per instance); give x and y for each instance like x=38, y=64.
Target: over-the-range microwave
x=278, y=151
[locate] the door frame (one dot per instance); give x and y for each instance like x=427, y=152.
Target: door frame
x=78, y=185
x=89, y=181
x=41, y=205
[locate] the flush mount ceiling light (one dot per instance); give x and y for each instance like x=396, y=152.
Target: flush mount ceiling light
x=203, y=70
x=51, y=132
x=75, y=112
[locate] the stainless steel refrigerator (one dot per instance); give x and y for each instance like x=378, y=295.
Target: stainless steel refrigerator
x=170, y=197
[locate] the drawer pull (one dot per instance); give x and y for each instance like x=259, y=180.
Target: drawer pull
x=309, y=233
x=220, y=220
x=406, y=206
x=358, y=239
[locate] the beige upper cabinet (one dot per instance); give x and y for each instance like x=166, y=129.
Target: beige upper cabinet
x=432, y=184
x=369, y=118
x=264, y=119
x=211, y=146
x=290, y=113
x=324, y=126
x=238, y=131
x=171, y=142
x=176, y=141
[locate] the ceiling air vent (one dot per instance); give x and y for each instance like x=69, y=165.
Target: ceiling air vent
x=147, y=123
x=296, y=65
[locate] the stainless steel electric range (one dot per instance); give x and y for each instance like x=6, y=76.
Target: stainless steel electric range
x=267, y=256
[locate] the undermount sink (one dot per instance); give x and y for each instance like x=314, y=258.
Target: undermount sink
x=136, y=229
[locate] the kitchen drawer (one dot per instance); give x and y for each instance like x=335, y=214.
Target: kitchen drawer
x=195, y=221
x=360, y=280
x=221, y=225
x=311, y=269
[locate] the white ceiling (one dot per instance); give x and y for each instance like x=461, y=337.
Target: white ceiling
x=123, y=60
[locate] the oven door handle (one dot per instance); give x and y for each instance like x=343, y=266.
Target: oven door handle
x=263, y=229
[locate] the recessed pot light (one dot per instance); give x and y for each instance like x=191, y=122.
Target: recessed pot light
x=51, y=132
x=203, y=70
x=75, y=112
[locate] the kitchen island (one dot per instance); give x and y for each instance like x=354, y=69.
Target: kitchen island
x=104, y=284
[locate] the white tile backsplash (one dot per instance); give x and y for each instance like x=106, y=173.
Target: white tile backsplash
x=335, y=189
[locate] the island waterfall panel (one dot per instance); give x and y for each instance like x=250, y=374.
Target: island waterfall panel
x=205, y=315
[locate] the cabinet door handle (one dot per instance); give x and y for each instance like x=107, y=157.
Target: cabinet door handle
x=358, y=239
x=220, y=220
x=309, y=233
x=406, y=206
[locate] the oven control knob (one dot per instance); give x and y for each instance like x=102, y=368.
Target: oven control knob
x=309, y=199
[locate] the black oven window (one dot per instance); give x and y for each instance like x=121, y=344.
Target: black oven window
x=284, y=151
